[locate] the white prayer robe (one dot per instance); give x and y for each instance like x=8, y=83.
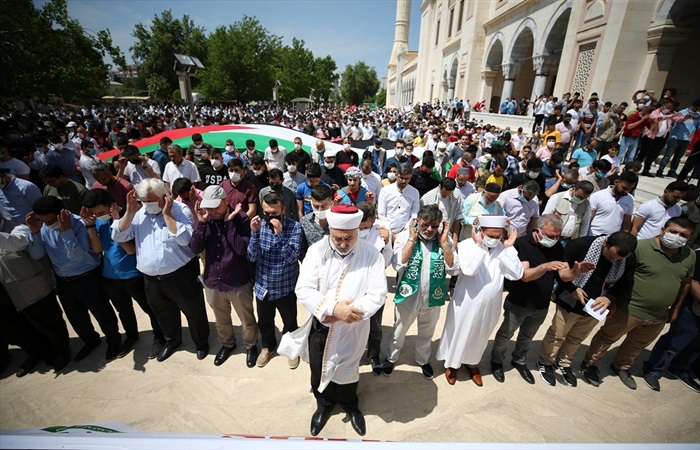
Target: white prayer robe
x=364, y=282
x=473, y=313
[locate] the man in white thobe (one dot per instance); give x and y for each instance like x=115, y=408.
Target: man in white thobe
x=473, y=313
x=342, y=284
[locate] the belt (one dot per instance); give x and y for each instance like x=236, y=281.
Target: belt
x=82, y=275
x=168, y=275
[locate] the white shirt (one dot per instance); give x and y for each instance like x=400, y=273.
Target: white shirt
x=17, y=168
x=186, y=169
x=136, y=173
x=568, y=230
x=519, y=213
x=517, y=141
x=276, y=159
x=372, y=183
x=608, y=213
x=396, y=207
x=86, y=163
x=656, y=213
x=375, y=240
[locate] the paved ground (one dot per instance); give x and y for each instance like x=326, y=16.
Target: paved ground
x=183, y=395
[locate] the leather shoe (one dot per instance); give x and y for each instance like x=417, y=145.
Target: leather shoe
x=451, y=375
x=475, y=375
x=251, y=356
x=28, y=364
x=86, y=350
x=127, y=346
x=168, y=350
x=357, y=420
x=376, y=366
x=223, y=355
x=319, y=419
x=113, y=350
x=202, y=353
x=497, y=371
x=156, y=349
x=524, y=372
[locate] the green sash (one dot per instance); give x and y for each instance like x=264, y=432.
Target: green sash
x=411, y=276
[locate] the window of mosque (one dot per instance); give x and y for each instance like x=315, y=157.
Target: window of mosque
x=461, y=14
x=437, y=33
x=583, y=66
x=452, y=19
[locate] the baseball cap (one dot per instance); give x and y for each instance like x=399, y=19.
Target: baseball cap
x=212, y=197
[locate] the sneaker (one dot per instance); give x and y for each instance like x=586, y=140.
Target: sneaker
x=387, y=368
x=567, y=376
x=590, y=374
x=625, y=376
x=547, y=373
x=652, y=380
x=687, y=379
x=427, y=370
x=264, y=357
x=293, y=363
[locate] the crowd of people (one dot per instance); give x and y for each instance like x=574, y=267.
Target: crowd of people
x=462, y=211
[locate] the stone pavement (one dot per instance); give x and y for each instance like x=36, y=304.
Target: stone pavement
x=184, y=395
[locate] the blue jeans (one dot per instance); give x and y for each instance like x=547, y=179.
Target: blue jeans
x=628, y=148
x=682, y=343
x=674, y=148
x=581, y=139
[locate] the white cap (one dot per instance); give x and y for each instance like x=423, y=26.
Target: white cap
x=330, y=153
x=72, y=124
x=441, y=145
x=344, y=217
x=492, y=221
x=212, y=197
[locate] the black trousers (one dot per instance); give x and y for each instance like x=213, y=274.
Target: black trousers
x=47, y=318
x=649, y=150
x=344, y=394
x=15, y=329
x=78, y=295
x=374, y=341
x=287, y=306
x=603, y=148
x=539, y=118
x=121, y=292
x=179, y=291
x=689, y=165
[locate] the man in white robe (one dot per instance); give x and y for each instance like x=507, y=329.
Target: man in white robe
x=476, y=304
x=342, y=284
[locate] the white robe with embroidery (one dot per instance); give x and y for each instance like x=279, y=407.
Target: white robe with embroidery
x=364, y=282
x=473, y=313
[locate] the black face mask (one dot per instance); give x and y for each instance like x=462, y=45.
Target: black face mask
x=276, y=187
x=269, y=221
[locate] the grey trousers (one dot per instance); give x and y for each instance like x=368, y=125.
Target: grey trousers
x=514, y=317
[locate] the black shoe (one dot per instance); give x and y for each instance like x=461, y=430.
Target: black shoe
x=672, y=174
x=652, y=380
x=127, y=346
x=61, y=361
x=648, y=174
x=86, y=350
x=687, y=379
x=357, y=420
x=567, y=375
x=168, y=350
x=497, y=371
x=625, y=376
x=202, y=353
x=659, y=175
x=156, y=349
x=376, y=366
x=590, y=373
x=113, y=350
x=251, y=356
x=547, y=374
x=387, y=368
x=524, y=372
x=319, y=419
x=223, y=355
x=427, y=370
x=28, y=364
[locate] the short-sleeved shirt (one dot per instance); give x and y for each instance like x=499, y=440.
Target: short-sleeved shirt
x=656, y=213
x=117, y=264
x=519, y=213
x=71, y=195
x=136, y=173
x=17, y=167
x=657, y=279
x=276, y=159
x=584, y=158
x=245, y=194
x=118, y=190
x=609, y=212
x=186, y=169
x=212, y=177
x=535, y=294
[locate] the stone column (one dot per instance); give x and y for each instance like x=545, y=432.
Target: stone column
x=450, y=88
x=487, y=86
x=509, y=72
x=541, y=64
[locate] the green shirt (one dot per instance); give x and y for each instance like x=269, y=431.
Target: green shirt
x=657, y=280
x=71, y=194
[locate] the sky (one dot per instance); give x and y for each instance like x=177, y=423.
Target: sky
x=349, y=31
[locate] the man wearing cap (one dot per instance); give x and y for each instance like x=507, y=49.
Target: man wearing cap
x=423, y=256
x=484, y=260
x=274, y=245
x=224, y=233
x=342, y=284
x=354, y=192
x=399, y=201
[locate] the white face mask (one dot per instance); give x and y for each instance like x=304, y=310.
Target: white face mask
x=346, y=146
x=329, y=165
x=53, y=226
x=490, y=242
x=391, y=176
x=292, y=168
x=545, y=241
x=257, y=172
x=58, y=147
x=217, y=163
x=274, y=150
x=408, y=153
x=532, y=174
x=399, y=152
x=230, y=149
x=673, y=240
x=152, y=208
x=105, y=217
x=234, y=176
x=320, y=214
x=198, y=145
x=297, y=146
x=363, y=233
x=550, y=144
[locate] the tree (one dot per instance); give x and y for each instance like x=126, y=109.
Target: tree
x=381, y=98
x=156, y=46
x=299, y=72
x=241, y=62
x=324, y=76
x=359, y=82
x=45, y=53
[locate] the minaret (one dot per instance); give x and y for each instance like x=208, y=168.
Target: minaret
x=403, y=21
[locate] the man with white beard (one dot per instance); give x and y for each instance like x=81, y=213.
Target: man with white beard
x=342, y=284
x=473, y=313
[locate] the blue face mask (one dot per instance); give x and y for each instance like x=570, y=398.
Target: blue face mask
x=600, y=175
x=522, y=198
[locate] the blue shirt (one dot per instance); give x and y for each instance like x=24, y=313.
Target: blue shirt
x=116, y=263
x=18, y=196
x=229, y=156
x=69, y=251
x=158, y=252
x=65, y=160
x=304, y=194
x=684, y=130
x=161, y=157
x=276, y=255
x=346, y=199
x=548, y=172
x=583, y=157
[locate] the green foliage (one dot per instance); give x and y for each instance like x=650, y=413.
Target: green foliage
x=359, y=82
x=45, y=53
x=241, y=62
x=299, y=72
x=156, y=46
x=381, y=98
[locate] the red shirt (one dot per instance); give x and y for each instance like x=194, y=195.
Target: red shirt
x=636, y=131
x=245, y=194
x=118, y=190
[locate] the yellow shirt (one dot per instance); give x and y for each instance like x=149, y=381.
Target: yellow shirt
x=501, y=181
